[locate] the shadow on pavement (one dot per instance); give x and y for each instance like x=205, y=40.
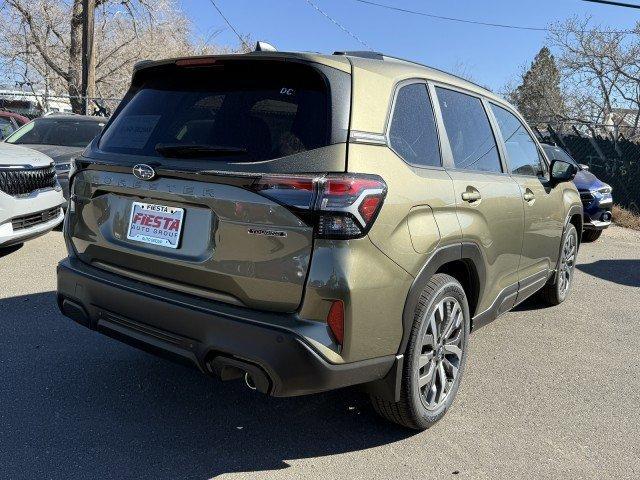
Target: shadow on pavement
x=532, y=303
x=4, y=251
x=76, y=404
x=623, y=272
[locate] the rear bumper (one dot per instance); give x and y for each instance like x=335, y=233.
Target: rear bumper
x=215, y=337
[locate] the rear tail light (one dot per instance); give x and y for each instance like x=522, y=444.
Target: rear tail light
x=341, y=206
x=335, y=320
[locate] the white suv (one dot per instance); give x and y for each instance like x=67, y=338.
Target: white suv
x=30, y=196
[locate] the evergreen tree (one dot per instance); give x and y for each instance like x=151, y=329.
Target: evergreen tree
x=539, y=97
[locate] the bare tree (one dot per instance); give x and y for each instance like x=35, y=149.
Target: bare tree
x=41, y=42
x=462, y=69
x=601, y=74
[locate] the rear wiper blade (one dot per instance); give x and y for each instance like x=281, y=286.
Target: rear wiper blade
x=188, y=150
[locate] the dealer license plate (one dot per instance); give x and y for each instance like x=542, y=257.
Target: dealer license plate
x=155, y=224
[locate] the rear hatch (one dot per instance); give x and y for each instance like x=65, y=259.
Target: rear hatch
x=169, y=195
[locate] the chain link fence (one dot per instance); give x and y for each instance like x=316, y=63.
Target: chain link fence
x=615, y=161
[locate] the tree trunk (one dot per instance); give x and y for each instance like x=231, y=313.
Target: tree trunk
x=88, y=55
x=75, y=59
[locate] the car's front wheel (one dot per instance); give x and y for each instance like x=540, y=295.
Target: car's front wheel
x=556, y=291
x=434, y=358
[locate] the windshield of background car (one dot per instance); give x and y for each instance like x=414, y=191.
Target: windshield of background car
x=66, y=133
x=556, y=153
x=250, y=110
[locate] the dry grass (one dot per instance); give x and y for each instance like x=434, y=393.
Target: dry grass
x=625, y=218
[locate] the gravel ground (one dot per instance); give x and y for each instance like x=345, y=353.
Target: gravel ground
x=548, y=393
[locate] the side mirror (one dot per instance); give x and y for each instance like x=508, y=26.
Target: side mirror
x=562, y=171
x=583, y=166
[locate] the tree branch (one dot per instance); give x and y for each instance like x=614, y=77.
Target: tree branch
x=26, y=16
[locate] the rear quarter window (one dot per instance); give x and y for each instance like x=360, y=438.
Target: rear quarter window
x=412, y=132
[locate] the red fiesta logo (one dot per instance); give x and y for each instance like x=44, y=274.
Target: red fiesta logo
x=157, y=221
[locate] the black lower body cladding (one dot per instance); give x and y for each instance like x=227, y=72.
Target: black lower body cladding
x=206, y=333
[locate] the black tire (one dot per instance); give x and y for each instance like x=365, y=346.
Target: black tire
x=412, y=410
x=589, y=236
x=556, y=291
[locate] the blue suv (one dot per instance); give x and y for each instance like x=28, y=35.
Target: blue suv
x=594, y=193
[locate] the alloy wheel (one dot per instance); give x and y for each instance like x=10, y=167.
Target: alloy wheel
x=567, y=263
x=441, y=353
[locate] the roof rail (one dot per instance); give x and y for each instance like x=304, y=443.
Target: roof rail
x=439, y=70
x=382, y=56
x=362, y=54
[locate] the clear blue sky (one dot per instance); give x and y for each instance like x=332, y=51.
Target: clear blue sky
x=493, y=55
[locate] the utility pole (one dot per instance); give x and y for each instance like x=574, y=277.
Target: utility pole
x=88, y=56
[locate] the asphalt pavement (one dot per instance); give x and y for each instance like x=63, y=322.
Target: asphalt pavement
x=548, y=393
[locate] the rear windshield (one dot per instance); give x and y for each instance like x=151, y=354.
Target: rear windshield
x=248, y=110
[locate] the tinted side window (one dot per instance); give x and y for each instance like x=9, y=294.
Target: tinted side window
x=522, y=151
x=412, y=134
x=469, y=131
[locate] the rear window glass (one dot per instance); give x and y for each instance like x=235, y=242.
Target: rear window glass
x=251, y=112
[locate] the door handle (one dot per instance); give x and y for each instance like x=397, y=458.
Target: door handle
x=529, y=196
x=471, y=196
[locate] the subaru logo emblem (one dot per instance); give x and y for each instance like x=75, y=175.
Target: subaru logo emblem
x=144, y=172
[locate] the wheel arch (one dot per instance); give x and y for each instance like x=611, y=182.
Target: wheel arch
x=464, y=262
x=575, y=217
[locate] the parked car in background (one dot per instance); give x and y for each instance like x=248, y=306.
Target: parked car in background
x=10, y=122
x=30, y=197
x=217, y=220
x=597, y=201
x=61, y=137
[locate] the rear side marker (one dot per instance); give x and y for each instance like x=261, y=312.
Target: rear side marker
x=335, y=320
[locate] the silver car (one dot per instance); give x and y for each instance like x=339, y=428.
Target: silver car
x=30, y=195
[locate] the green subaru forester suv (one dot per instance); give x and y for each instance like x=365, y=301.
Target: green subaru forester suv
x=309, y=222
